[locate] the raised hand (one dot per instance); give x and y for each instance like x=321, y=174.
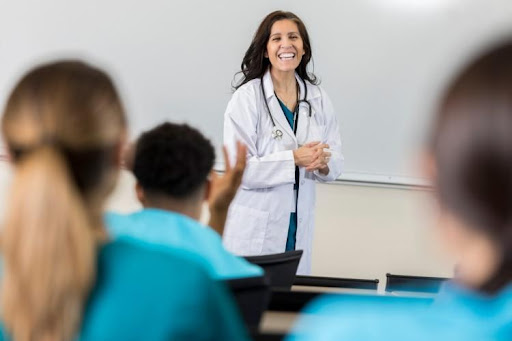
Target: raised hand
x=223, y=188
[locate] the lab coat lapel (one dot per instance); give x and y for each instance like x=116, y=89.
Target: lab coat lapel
x=275, y=109
x=304, y=121
x=313, y=91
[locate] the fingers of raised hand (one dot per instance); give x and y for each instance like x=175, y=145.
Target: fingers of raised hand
x=227, y=164
x=241, y=156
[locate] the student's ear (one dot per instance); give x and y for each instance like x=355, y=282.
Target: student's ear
x=129, y=155
x=139, y=191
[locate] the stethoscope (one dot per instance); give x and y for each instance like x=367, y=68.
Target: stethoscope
x=277, y=133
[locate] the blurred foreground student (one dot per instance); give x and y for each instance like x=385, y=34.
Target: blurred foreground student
x=173, y=167
x=64, y=126
x=470, y=158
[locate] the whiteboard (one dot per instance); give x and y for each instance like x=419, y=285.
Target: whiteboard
x=383, y=62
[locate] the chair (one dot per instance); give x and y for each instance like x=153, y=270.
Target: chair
x=291, y=301
x=262, y=336
x=414, y=283
x=333, y=282
x=280, y=268
x=296, y=300
x=252, y=295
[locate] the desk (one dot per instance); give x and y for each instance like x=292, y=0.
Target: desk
x=278, y=321
x=329, y=290
x=326, y=290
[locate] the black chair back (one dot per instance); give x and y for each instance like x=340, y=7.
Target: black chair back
x=334, y=282
x=252, y=295
x=263, y=336
x=414, y=283
x=280, y=268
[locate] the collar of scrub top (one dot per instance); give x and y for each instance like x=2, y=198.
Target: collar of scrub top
x=281, y=122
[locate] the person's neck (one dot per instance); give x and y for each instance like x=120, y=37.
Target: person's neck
x=284, y=82
x=186, y=206
x=479, y=262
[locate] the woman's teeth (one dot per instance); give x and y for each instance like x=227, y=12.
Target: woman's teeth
x=287, y=56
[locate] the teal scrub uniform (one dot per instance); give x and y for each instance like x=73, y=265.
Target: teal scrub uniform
x=177, y=231
x=457, y=314
x=292, y=228
x=146, y=292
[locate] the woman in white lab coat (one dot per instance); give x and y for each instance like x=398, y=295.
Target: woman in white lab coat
x=288, y=124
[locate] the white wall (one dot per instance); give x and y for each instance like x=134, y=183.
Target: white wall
x=382, y=62
x=361, y=231
x=365, y=232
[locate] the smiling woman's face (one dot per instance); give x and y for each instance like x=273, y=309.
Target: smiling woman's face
x=285, y=47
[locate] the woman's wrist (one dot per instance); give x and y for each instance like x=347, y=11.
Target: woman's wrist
x=295, y=156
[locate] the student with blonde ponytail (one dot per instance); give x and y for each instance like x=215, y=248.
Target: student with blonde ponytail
x=64, y=126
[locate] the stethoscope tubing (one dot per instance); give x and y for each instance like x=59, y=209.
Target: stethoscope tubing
x=277, y=133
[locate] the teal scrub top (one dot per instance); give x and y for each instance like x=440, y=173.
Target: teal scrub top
x=177, y=231
x=456, y=314
x=292, y=227
x=145, y=292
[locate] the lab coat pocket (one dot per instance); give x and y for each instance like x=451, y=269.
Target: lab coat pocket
x=245, y=230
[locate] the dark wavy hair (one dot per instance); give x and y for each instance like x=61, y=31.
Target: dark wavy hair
x=471, y=141
x=255, y=64
x=173, y=159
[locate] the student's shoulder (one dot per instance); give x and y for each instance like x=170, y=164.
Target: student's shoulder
x=187, y=227
x=112, y=217
x=133, y=275
x=114, y=220
x=203, y=231
x=334, y=304
x=365, y=317
x=3, y=333
x=140, y=257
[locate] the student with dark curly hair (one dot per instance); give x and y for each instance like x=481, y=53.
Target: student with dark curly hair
x=173, y=167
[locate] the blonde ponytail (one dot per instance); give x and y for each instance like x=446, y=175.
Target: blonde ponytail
x=49, y=250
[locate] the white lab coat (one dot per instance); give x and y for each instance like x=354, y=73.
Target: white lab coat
x=259, y=216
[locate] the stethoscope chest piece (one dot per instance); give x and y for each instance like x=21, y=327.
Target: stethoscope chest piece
x=277, y=134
